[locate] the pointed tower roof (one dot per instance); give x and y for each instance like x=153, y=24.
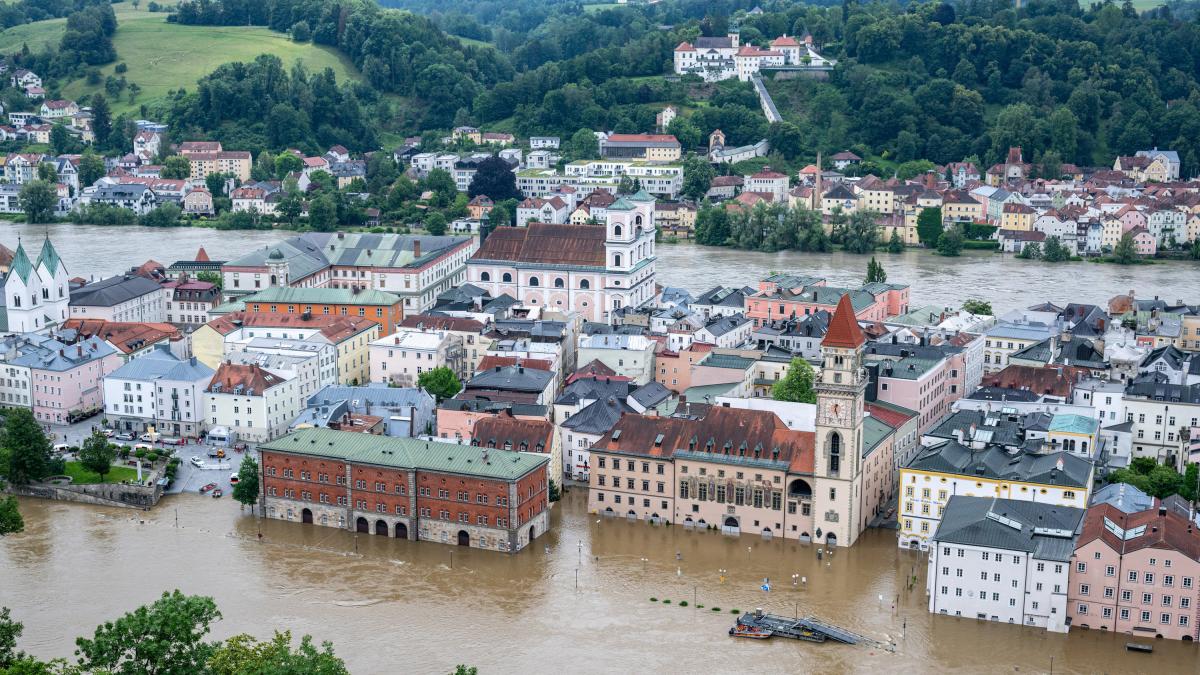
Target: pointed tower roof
x=622, y=204
x=20, y=263
x=843, y=329
x=49, y=256
x=202, y=255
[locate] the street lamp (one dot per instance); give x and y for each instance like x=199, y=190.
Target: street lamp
x=644, y=561
x=722, y=572
x=451, y=558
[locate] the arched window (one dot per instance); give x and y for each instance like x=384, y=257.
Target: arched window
x=585, y=284
x=638, y=221
x=485, y=276
x=533, y=281
x=559, y=283
x=835, y=452
x=616, y=260
x=507, y=278
x=616, y=230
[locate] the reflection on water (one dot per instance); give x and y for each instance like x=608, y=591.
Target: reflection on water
x=429, y=606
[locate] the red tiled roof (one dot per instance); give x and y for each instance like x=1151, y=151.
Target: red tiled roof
x=1166, y=530
x=546, y=243
x=1054, y=380
x=202, y=255
x=642, y=138
x=505, y=432
x=252, y=378
x=491, y=362
x=431, y=322
x=125, y=336
x=784, y=41
x=889, y=415
x=843, y=331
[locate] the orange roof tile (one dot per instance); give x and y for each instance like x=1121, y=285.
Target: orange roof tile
x=843, y=329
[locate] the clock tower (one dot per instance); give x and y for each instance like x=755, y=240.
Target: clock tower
x=837, y=460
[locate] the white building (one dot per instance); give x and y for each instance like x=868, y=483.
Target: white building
x=253, y=404
x=630, y=356
x=1003, y=560
x=158, y=389
x=310, y=363
x=401, y=357
x=127, y=298
x=36, y=294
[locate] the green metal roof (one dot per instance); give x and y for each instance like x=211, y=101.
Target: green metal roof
x=408, y=453
x=641, y=196
x=727, y=361
x=323, y=296
x=1073, y=424
x=49, y=256
x=20, y=264
x=910, y=368
x=701, y=393
x=874, y=431
x=622, y=204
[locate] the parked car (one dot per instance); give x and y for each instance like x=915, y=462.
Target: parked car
x=233, y=479
x=218, y=492
x=208, y=488
x=61, y=448
x=197, y=462
x=144, y=446
x=217, y=453
x=148, y=437
x=125, y=436
x=171, y=441
x=240, y=447
x=109, y=433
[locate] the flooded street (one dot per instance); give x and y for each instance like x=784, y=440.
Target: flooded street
x=1009, y=284
x=420, y=607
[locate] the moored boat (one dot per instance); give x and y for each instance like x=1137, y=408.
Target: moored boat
x=750, y=632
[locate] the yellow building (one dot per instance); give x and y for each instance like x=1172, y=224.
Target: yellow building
x=234, y=162
x=960, y=207
x=949, y=467
x=1017, y=217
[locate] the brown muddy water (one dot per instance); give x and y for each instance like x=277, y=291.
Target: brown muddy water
x=395, y=606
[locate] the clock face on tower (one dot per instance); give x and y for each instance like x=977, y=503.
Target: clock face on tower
x=834, y=413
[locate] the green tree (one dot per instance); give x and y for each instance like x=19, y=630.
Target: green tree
x=322, y=213
x=875, y=272
x=797, y=385
x=62, y=142
x=441, y=183
x=286, y=163
x=243, y=655
x=9, y=632
x=47, y=172
x=176, y=167
x=101, y=120
x=712, y=226
x=929, y=226
x=698, y=175
x=499, y=217
x=38, y=199
x=1194, y=251
x=435, y=223
x=685, y=132
x=165, y=637
x=97, y=455
x=290, y=206
x=583, y=145
x=166, y=215
x=465, y=670
x=860, y=233
x=27, y=448
x=494, y=178
x=1054, y=250
x=215, y=182
x=213, y=278
x=1125, y=252
x=91, y=169
x=895, y=244
x=977, y=307
x=246, y=490
x=951, y=242
x=1030, y=251
x=10, y=523
x=441, y=382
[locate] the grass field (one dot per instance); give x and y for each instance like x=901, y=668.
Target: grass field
x=163, y=56
x=82, y=476
x=1143, y=5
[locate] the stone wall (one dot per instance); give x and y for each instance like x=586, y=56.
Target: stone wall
x=100, y=494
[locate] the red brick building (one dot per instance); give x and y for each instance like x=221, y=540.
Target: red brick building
x=405, y=488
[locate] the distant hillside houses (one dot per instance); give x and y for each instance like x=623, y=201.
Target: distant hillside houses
x=723, y=58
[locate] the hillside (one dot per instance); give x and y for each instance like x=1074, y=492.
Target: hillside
x=161, y=56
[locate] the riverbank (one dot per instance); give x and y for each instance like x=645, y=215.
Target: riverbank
x=376, y=597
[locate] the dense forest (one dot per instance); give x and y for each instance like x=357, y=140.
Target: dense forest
x=938, y=81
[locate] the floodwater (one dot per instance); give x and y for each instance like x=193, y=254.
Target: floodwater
x=393, y=606
x=91, y=250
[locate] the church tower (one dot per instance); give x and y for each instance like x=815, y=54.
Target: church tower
x=837, y=461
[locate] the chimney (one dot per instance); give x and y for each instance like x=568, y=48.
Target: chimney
x=416, y=248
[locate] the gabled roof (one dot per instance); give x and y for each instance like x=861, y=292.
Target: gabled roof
x=546, y=243
x=1045, y=531
x=247, y=380
x=843, y=329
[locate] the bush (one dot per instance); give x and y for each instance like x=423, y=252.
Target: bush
x=735, y=611
x=666, y=602
x=716, y=609
x=140, y=454
x=121, y=67
x=152, y=457
x=683, y=603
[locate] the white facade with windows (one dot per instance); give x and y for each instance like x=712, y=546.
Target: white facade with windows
x=1003, y=560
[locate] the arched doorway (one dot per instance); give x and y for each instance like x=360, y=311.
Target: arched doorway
x=730, y=526
x=381, y=528
x=731, y=522
x=361, y=525
x=306, y=516
x=831, y=539
x=533, y=530
x=464, y=539
x=401, y=531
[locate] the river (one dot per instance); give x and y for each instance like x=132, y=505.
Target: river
x=1008, y=283
x=422, y=607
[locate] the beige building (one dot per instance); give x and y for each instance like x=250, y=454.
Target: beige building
x=207, y=157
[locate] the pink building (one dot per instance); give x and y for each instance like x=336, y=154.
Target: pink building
x=1143, y=242
x=928, y=386
x=456, y=418
x=67, y=380
x=782, y=296
x=1136, y=573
